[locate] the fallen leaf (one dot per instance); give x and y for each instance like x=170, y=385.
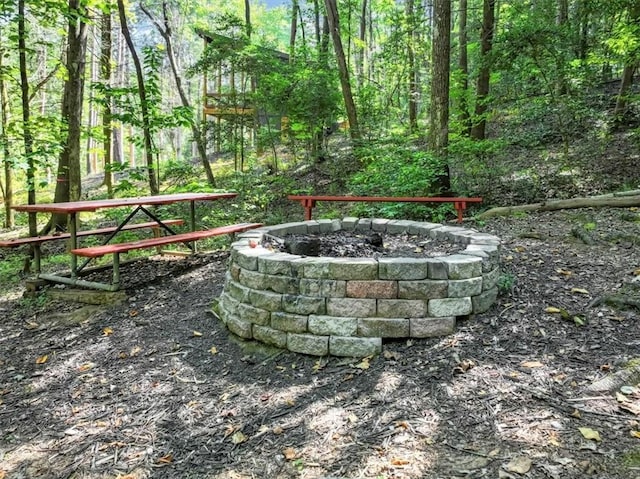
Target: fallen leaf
x=564, y=272
x=364, y=364
x=621, y=397
x=352, y=418
x=552, y=310
x=396, y=461
x=277, y=430
x=168, y=459
x=133, y=313
x=579, y=290
x=213, y=350
x=122, y=355
x=263, y=429
x=290, y=402
x=318, y=365
x=519, y=249
x=519, y=465
x=579, y=320
x=42, y=359
x=391, y=355
x=135, y=350
x=589, y=433
x=3, y=474
x=290, y=453
x=633, y=434
x=86, y=367
x=531, y=364
x=107, y=331
x=197, y=333
x=632, y=407
x=238, y=437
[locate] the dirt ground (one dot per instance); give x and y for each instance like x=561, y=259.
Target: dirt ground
x=156, y=387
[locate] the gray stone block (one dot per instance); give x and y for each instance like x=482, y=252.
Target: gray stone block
x=431, y=327
x=237, y=291
x=422, y=228
x=446, y=307
x=227, y=303
x=353, y=268
x=329, y=226
x=326, y=288
x=270, y=336
x=333, y=325
x=308, y=344
x=313, y=227
x=253, y=314
x=246, y=257
x=397, y=227
x=239, y=326
x=292, y=323
x=490, y=279
x=311, y=268
x=403, y=268
x=351, y=307
x=253, y=279
x=483, y=301
x=423, y=289
x=379, y=224
x=460, y=288
x=401, y=308
x=292, y=303
x=349, y=223
x=266, y=300
x=364, y=224
x=437, y=269
x=354, y=347
x=460, y=266
x=276, y=263
x=383, y=327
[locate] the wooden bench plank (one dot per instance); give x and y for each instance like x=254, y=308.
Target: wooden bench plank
x=12, y=243
x=96, y=251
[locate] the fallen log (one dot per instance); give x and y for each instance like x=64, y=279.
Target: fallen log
x=573, y=203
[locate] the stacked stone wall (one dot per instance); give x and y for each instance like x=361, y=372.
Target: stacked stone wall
x=346, y=306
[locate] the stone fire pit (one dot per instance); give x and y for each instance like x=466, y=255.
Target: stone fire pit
x=347, y=306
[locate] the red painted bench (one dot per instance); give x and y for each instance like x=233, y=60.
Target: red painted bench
x=309, y=201
x=117, y=248
x=15, y=242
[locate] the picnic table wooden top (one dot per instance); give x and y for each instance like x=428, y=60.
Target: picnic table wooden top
x=93, y=205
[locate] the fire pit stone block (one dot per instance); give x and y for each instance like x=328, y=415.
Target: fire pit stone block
x=347, y=306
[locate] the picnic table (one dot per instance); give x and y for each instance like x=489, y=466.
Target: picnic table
x=137, y=205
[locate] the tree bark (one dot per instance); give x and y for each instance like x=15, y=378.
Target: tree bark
x=142, y=92
x=166, y=32
x=7, y=188
x=105, y=73
x=463, y=65
x=478, y=131
x=630, y=67
x=438, y=138
x=69, y=180
x=26, y=117
x=413, y=70
x=343, y=70
x=573, y=203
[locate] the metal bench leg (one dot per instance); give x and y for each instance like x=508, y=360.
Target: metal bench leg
x=116, y=271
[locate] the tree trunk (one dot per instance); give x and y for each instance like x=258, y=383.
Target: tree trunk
x=463, y=65
x=26, y=120
x=69, y=177
x=362, y=37
x=478, y=131
x=105, y=73
x=438, y=138
x=345, y=83
x=165, y=32
x=593, y=202
x=144, y=107
x=7, y=188
x=293, y=31
x=627, y=75
x=413, y=70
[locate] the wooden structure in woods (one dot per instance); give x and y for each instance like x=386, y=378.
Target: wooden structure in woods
x=228, y=88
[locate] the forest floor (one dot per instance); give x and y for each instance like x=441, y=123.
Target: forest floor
x=154, y=386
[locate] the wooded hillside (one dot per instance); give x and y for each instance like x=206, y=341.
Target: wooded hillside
x=429, y=94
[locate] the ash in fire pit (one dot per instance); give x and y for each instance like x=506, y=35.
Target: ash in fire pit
x=369, y=245
x=377, y=279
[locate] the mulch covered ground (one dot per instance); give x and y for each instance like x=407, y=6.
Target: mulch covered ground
x=156, y=387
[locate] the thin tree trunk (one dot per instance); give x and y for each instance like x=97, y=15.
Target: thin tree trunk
x=146, y=123
x=362, y=36
x=463, y=65
x=105, y=73
x=293, y=30
x=413, y=71
x=165, y=32
x=630, y=67
x=7, y=188
x=334, y=27
x=69, y=176
x=438, y=138
x=26, y=120
x=478, y=131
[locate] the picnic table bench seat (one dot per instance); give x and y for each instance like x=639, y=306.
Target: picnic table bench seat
x=97, y=251
x=15, y=242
